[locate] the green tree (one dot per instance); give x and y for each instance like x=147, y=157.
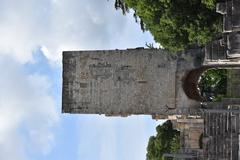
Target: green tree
x=175, y=24
x=166, y=141
x=213, y=84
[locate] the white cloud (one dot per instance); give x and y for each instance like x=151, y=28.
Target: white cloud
x=12, y=148
x=58, y=25
x=27, y=112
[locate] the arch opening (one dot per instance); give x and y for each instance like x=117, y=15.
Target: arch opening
x=206, y=84
x=212, y=84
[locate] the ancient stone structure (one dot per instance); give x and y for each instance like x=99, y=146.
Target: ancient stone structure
x=221, y=132
x=230, y=9
x=233, y=83
x=145, y=81
x=123, y=82
x=190, y=129
x=135, y=81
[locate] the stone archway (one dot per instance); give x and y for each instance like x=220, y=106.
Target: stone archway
x=125, y=82
x=190, y=85
x=228, y=78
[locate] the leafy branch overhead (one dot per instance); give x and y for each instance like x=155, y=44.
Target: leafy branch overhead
x=176, y=24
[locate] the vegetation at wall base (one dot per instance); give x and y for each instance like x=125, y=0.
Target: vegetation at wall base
x=167, y=140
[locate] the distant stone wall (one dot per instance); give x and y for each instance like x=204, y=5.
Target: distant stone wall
x=233, y=83
x=191, y=130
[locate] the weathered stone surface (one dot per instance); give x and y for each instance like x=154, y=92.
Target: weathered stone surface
x=221, y=133
x=233, y=83
x=123, y=82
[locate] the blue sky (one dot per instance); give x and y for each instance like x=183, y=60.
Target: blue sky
x=33, y=36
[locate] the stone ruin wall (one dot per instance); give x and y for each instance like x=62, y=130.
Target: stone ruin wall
x=119, y=82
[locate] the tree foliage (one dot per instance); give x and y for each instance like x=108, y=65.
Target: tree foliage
x=166, y=141
x=119, y=4
x=175, y=24
x=213, y=84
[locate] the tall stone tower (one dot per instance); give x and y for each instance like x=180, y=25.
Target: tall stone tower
x=125, y=82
